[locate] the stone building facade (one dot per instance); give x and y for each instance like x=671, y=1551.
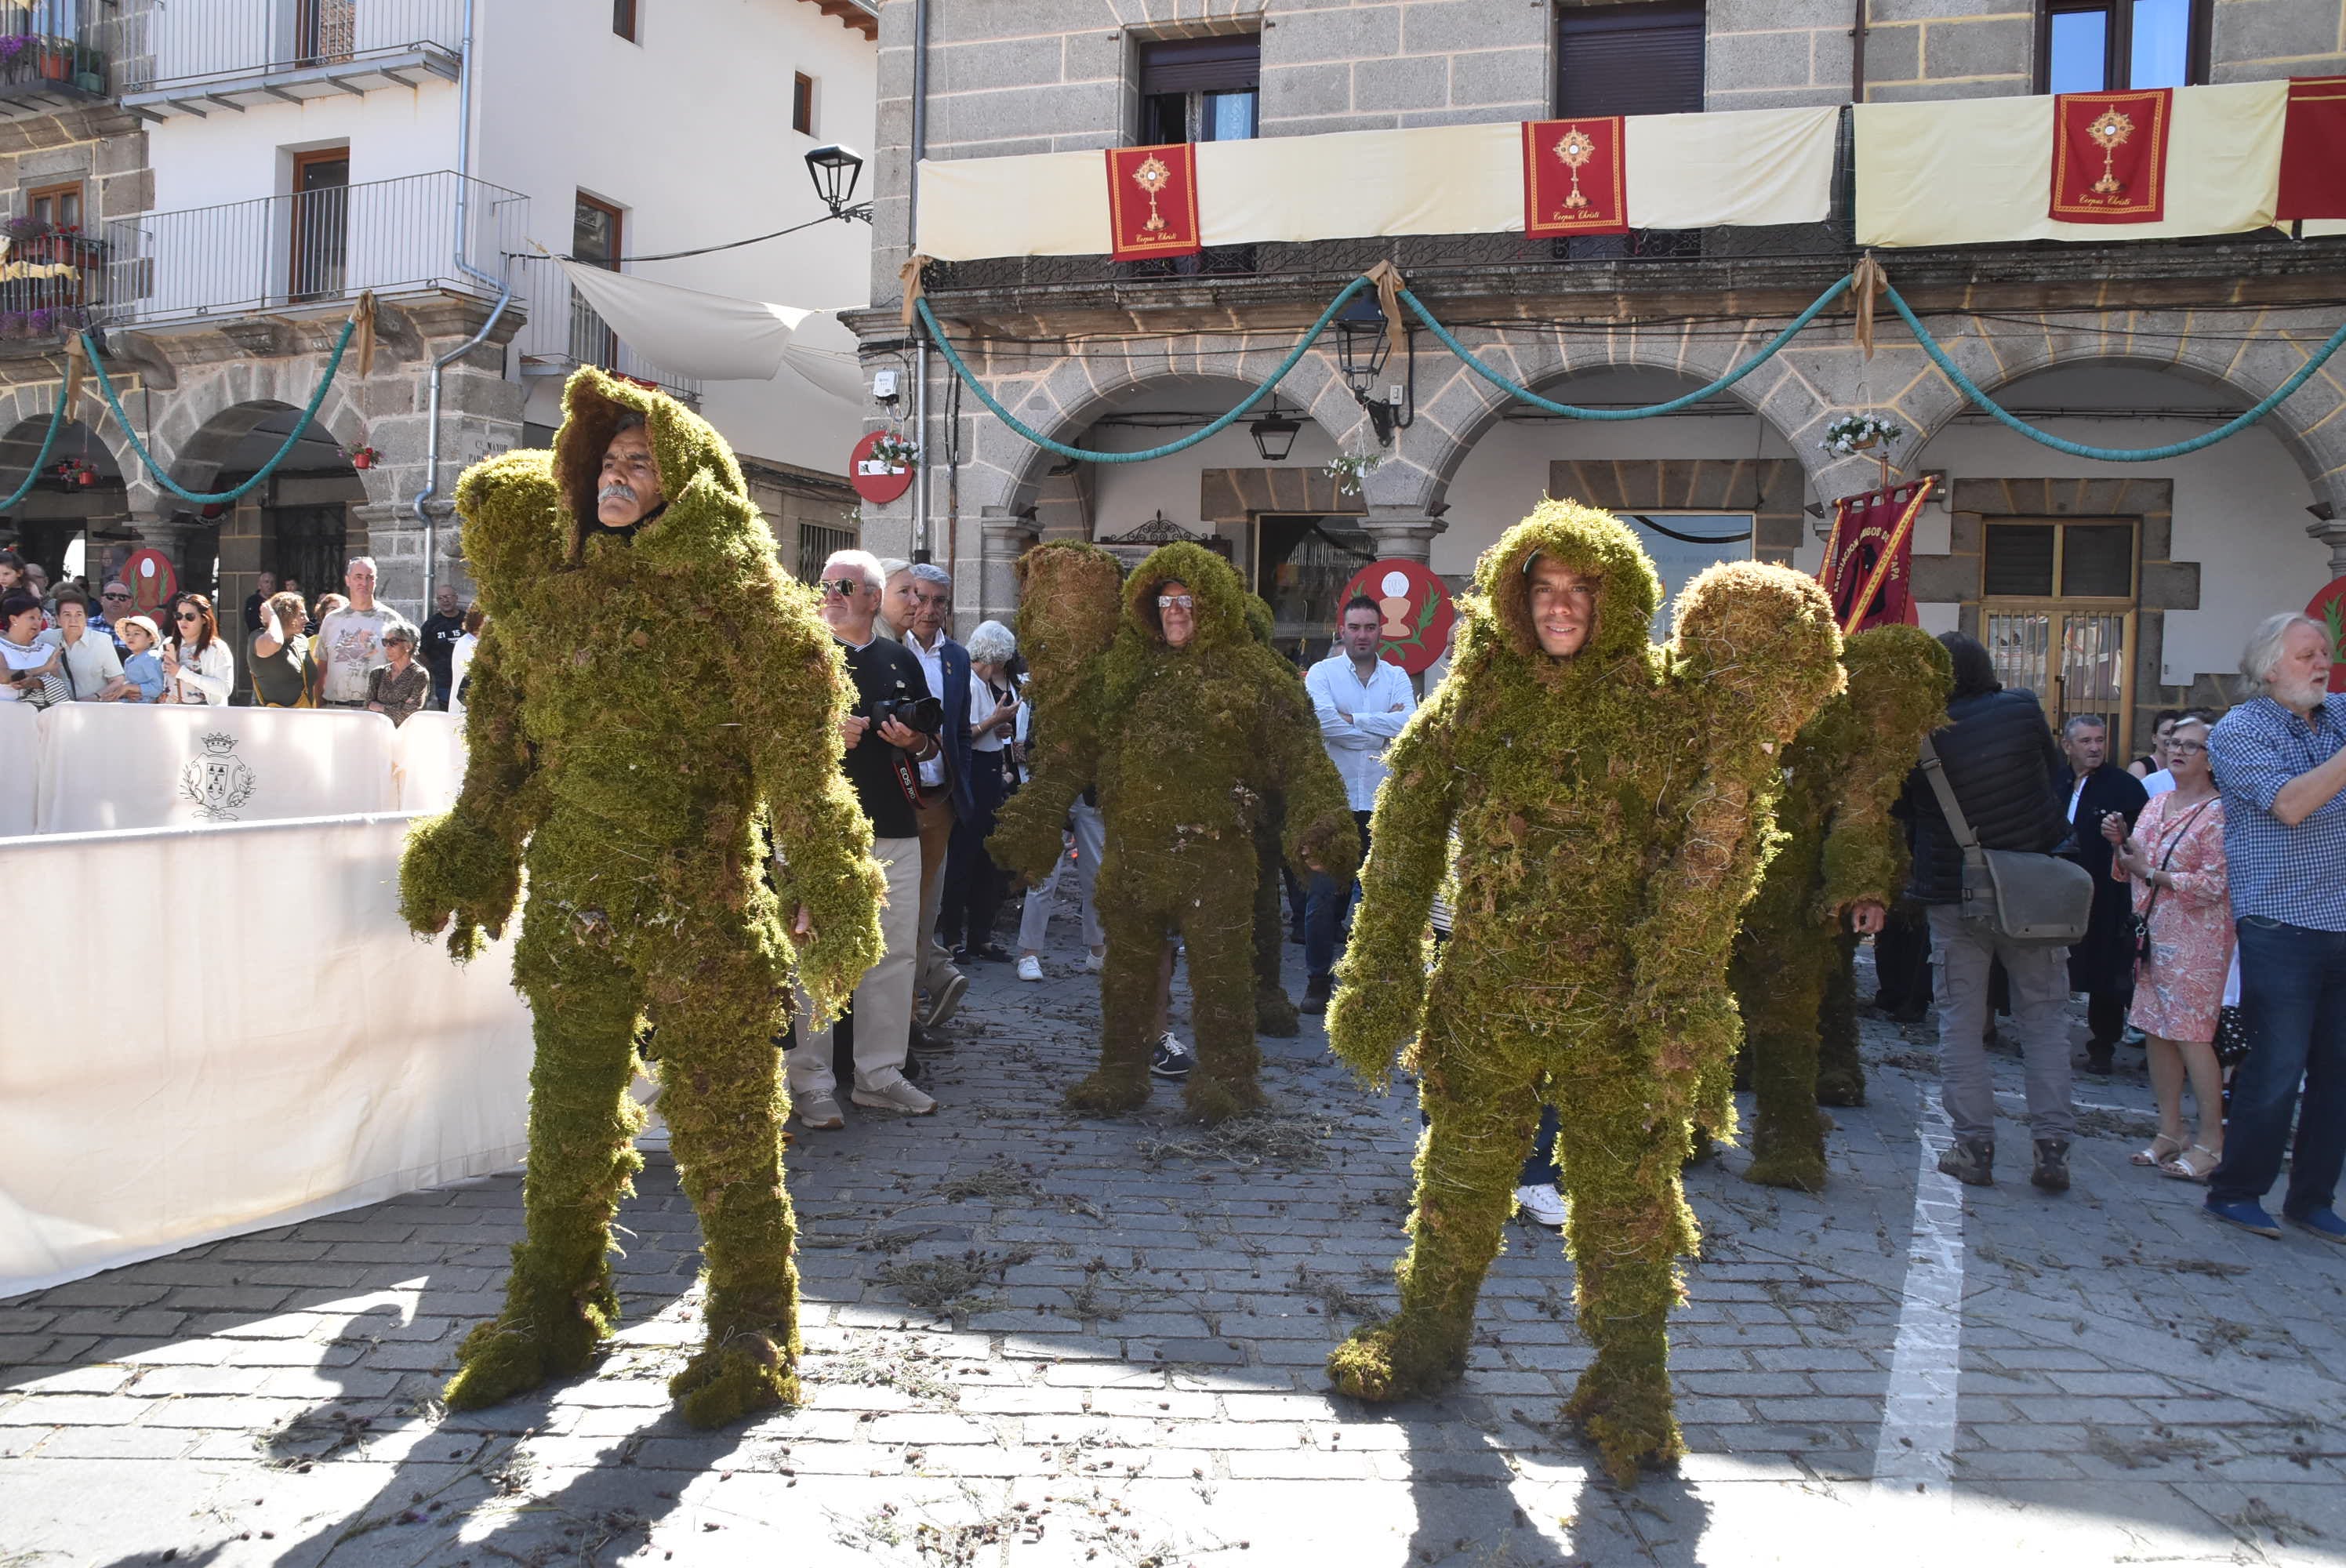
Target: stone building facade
x=2125, y=344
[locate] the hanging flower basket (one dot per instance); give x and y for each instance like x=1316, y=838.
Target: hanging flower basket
x=895, y=451
x=1349, y=469
x=1859, y=433
x=364, y=456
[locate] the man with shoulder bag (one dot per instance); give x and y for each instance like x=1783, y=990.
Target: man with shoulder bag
x=1983, y=820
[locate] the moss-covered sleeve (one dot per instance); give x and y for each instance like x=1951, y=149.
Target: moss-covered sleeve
x=790, y=710
x=467, y=862
x=1899, y=678
x=1379, y=1007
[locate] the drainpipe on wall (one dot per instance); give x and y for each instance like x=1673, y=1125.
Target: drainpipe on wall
x=1857, y=57
x=921, y=551
x=504, y=297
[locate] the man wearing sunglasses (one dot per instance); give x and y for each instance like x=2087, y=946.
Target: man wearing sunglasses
x=884, y=761
x=113, y=602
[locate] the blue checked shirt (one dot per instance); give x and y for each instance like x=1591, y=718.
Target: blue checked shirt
x=2296, y=875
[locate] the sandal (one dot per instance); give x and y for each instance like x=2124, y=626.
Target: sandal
x=2162, y=1149
x=2195, y=1163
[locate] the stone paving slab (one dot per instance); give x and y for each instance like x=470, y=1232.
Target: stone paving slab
x=1122, y=1364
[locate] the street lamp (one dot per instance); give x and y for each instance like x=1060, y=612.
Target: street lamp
x=1362, y=348
x=1274, y=433
x=832, y=166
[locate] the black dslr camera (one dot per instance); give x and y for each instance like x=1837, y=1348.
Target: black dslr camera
x=921, y=715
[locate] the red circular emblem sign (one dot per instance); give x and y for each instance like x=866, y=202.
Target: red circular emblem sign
x=1415, y=607
x=2328, y=607
x=873, y=479
x=152, y=581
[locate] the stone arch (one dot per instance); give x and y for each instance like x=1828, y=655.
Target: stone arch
x=24, y=414
x=2311, y=423
x=1004, y=470
x=213, y=412
x=1461, y=408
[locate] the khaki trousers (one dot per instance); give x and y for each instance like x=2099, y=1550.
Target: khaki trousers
x=936, y=836
x=883, y=1001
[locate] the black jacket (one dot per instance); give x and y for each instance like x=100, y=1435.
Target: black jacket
x=2001, y=761
x=2104, y=959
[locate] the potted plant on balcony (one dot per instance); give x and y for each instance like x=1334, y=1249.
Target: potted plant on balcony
x=90, y=70
x=57, y=58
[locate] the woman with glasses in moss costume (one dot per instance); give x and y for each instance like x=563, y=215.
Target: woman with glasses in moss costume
x=654, y=712
x=1841, y=859
x=1192, y=733
x=1610, y=802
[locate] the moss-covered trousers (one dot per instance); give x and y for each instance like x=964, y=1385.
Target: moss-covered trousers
x=711, y=974
x=1207, y=895
x=1483, y=1082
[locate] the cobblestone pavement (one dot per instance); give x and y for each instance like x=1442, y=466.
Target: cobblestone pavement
x=1037, y=1340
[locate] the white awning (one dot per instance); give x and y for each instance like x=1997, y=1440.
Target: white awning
x=718, y=338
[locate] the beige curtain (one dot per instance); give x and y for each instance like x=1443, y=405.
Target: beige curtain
x=1972, y=171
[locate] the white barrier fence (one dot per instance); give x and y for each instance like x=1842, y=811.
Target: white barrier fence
x=288, y=1056
x=102, y=767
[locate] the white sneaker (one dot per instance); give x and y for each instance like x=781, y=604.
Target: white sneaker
x=1541, y=1205
x=1094, y=961
x=891, y=1093
x=1029, y=967
x=821, y=1111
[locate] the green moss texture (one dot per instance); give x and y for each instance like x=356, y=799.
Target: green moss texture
x=1610, y=814
x=1197, y=752
x=1792, y=971
x=654, y=730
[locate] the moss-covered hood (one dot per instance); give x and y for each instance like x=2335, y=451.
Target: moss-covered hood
x=1213, y=581
x=1594, y=544
x=707, y=501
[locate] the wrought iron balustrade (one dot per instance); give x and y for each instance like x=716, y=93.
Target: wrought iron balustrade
x=312, y=247
x=54, y=54
x=215, y=43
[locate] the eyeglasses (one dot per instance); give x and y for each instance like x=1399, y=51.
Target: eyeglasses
x=1169, y=601
x=186, y=616
x=843, y=587
x=2186, y=747
x=114, y=596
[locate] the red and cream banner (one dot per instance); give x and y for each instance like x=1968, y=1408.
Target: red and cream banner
x=2313, y=151
x=2110, y=156
x=1152, y=201
x=1869, y=564
x=1574, y=180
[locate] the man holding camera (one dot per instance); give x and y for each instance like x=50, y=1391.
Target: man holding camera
x=891, y=740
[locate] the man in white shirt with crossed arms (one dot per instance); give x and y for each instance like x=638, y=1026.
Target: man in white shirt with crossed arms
x=1363, y=702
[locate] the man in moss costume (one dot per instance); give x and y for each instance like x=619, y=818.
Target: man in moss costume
x=653, y=707
x=1191, y=731
x=1609, y=802
x=1841, y=858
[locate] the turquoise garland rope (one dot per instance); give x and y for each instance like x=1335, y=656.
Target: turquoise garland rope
x=48, y=442
x=1964, y=384
x=1649, y=411
x=214, y=498
x=937, y=334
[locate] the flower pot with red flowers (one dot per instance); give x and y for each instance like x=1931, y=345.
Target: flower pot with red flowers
x=364, y=456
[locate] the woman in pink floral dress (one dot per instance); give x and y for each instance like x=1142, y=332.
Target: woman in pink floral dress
x=2175, y=861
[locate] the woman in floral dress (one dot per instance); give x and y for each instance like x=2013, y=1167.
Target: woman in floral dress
x=2175, y=861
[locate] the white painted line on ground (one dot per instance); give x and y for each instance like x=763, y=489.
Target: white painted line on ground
x=1913, y=1461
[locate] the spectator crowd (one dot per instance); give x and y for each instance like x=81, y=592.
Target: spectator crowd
x=345, y=650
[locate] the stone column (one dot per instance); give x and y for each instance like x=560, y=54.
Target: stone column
x=169, y=535
x=1005, y=537
x=2332, y=533
x=1402, y=533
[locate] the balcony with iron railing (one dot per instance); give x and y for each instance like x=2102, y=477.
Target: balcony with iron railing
x=221, y=55
x=52, y=282
x=312, y=252
x=564, y=333
x=54, y=55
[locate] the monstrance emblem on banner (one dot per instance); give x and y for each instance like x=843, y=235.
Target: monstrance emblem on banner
x=1152, y=176
x=1575, y=148
x=2110, y=131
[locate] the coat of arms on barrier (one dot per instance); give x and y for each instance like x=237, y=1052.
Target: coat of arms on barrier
x=218, y=781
